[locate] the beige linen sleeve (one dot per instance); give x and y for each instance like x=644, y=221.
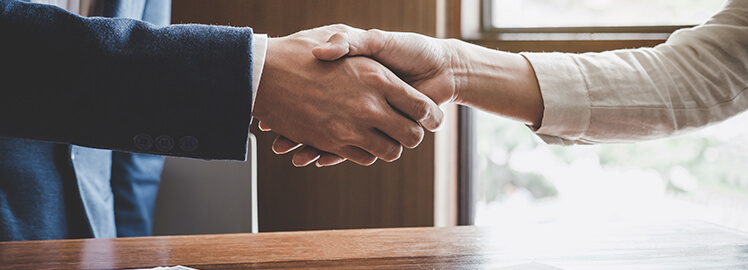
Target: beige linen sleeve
x=697, y=78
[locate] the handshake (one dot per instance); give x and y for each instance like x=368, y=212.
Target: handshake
x=344, y=93
x=320, y=89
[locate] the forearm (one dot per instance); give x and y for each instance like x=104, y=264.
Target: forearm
x=498, y=82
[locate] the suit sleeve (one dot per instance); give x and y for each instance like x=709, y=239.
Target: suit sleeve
x=121, y=84
x=695, y=79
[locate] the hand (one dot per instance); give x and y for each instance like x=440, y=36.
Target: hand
x=424, y=62
x=343, y=107
x=306, y=155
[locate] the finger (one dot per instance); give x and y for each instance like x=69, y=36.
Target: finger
x=400, y=128
x=324, y=159
x=329, y=159
x=368, y=147
x=305, y=156
x=379, y=144
x=357, y=155
x=367, y=43
x=282, y=145
x=391, y=122
x=262, y=126
x=411, y=102
x=331, y=50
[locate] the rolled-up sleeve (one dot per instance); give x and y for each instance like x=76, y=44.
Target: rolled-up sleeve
x=697, y=78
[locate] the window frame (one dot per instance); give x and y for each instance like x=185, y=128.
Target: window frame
x=558, y=39
x=487, y=28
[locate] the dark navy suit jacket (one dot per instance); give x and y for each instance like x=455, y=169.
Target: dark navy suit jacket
x=135, y=177
x=72, y=87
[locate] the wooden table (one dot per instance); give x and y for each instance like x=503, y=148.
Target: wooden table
x=642, y=245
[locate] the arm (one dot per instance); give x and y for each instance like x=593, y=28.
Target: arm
x=102, y=82
x=184, y=90
x=696, y=78
x=444, y=70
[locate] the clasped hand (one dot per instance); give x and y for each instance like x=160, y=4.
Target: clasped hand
x=352, y=108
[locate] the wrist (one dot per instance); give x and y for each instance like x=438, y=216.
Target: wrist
x=456, y=56
x=498, y=82
x=267, y=80
x=473, y=72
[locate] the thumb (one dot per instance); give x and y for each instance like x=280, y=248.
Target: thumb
x=365, y=43
x=335, y=48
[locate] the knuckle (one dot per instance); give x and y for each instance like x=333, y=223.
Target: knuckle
x=371, y=112
x=375, y=78
x=343, y=135
x=414, y=137
x=420, y=109
x=360, y=112
x=438, y=118
x=333, y=129
x=365, y=108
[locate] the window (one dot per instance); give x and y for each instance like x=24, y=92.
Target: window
x=516, y=178
x=559, y=19
x=599, y=13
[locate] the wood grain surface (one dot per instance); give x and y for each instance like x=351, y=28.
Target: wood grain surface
x=631, y=245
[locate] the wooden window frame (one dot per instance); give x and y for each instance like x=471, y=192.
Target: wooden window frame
x=559, y=39
x=488, y=28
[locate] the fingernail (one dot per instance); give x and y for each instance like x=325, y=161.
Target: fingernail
x=428, y=121
x=304, y=165
x=435, y=120
x=319, y=165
